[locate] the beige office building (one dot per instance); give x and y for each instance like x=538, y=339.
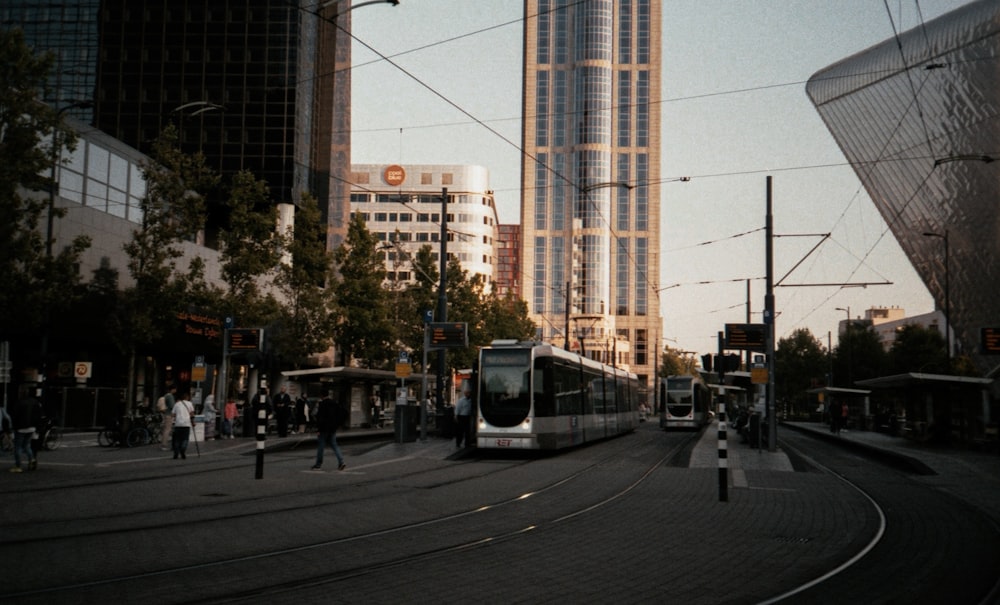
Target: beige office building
x=590, y=213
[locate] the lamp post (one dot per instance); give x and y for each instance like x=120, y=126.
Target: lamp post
x=947, y=297
x=847, y=333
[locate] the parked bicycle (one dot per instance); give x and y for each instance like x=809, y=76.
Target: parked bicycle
x=49, y=435
x=145, y=429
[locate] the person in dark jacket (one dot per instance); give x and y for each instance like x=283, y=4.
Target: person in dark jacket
x=329, y=417
x=25, y=418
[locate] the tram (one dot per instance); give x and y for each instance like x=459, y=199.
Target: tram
x=687, y=402
x=533, y=395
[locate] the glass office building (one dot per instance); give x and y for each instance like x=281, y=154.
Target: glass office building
x=253, y=84
x=590, y=203
x=919, y=120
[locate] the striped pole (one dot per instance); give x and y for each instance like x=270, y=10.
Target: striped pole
x=723, y=445
x=723, y=453
x=261, y=437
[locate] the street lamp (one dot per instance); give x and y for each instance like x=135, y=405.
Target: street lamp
x=947, y=297
x=847, y=333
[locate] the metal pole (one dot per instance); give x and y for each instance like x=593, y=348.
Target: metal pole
x=772, y=424
x=723, y=443
x=566, y=345
x=261, y=437
x=423, y=386
x=442, y=312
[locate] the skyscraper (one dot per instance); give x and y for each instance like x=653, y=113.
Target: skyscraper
x=252, y=84
x=918, y=117
x=590, y=212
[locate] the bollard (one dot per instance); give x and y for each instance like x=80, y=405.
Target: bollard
x=723, y=455
x=261, y=436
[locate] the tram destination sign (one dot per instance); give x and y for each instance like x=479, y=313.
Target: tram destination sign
x=990, y=341
x=245, y=339
x=448, y=335
x=746, y=337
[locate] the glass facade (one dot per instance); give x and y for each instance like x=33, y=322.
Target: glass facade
x=919, y=127
x=250, y=83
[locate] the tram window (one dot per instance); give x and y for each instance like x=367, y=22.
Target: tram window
x=569, y=399
x=542, y=388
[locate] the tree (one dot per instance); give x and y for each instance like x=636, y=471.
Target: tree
x=36, y=285
x=918, y=349
x=172, y=210
x=858, y=356
x=363, y=330
x=800, y=363
x=306, y=326
x=675, y=363
x=251, y=249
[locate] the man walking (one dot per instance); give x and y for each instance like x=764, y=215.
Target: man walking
x=329, y=417
x=25, y=418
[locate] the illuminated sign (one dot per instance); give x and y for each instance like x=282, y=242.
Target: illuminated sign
x=245, y=339
x=747, y=337
x=449, y=335
x=991, y=341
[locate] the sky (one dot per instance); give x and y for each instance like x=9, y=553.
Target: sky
x=734, y=112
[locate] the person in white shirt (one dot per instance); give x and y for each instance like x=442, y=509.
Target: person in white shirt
x=463, y=411
x=182, y=414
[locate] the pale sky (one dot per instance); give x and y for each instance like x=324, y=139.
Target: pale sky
x=734, y=111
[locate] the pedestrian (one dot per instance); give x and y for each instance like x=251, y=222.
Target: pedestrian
x=376, y=411
x=229, y=414
x=183, y=413
x=210, y=413
x=463, y=411
x=329, y=417
x=282, y=410
x=167, y=413
x=24, y=419
x=302, y=412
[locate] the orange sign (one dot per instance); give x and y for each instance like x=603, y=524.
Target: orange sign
x=394, y=175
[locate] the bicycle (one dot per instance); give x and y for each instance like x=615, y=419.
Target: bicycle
x=146, y=429
x=49, y=435
x=112, y=435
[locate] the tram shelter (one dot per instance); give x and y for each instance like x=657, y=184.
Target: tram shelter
x=353, y=388
x=859, y=414
x=940, y=407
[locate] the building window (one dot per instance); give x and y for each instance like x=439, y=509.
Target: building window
x=426, y=178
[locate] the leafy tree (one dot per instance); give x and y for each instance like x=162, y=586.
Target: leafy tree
x=306, y=327
x=363, y=330
x=36, y=285
x=172, y=211
x=858, y=356
x=800, y=363
x=251, y=249
x=918, y=349
x=675, y=363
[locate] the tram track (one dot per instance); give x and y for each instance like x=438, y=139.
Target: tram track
x=410, y=540
x=930, y=546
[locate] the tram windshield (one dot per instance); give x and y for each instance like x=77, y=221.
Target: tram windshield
x=505, y=386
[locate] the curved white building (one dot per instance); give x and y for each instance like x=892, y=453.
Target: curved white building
x=401, y=205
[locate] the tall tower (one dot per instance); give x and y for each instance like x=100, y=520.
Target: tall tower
x=590, y=199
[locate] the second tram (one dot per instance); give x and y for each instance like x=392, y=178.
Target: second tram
x=687, y=402
x=536, y=396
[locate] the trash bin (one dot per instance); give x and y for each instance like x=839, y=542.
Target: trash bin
x=198, y=428
x=404, y=423
x=446, y=423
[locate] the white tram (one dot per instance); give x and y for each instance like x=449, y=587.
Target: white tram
x=536, y=396
x=687, y=402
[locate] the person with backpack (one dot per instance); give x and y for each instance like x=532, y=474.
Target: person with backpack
x=329, y=417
